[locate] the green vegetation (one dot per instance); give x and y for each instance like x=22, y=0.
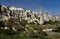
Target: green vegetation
x=25, y=30
x=57, y=29
x=52, y=23
x=23, y=22
x=2, y=24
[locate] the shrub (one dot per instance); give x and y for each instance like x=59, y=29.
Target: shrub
x=2, y=24
x=23, y=22
x=10, y=32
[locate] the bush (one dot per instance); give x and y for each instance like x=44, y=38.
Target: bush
x=7, y=32
x=32, y=23
x=10, y=32
x=23, y=22
x=33, y=35
x=52, y=23
x=2, y=24
x=57, y=29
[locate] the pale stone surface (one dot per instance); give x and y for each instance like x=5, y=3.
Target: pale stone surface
x=41, y=17
x=20, y=13
x=46, y=17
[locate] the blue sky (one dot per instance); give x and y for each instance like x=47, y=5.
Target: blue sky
x=51, y=6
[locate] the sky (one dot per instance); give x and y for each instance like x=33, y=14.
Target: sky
x=50, y=6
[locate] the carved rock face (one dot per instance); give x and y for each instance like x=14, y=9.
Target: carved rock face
x=4, y=9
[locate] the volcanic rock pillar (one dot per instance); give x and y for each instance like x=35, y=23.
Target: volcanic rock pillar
x=46, y=17
x=41, y=17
